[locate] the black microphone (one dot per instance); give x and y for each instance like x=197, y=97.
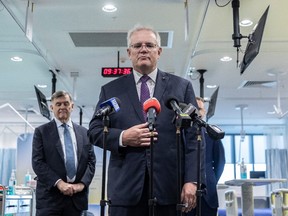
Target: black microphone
x=108, y=107
x=213, y=130
x=172, y=103
x=152, y=107
x=181, y=119
x=189, y=109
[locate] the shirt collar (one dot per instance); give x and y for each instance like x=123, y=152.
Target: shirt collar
x=59, y=123
x=138, y=75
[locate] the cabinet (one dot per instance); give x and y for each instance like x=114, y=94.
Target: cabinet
x=20, y=204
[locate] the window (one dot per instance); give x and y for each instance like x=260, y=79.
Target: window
x=250, y=147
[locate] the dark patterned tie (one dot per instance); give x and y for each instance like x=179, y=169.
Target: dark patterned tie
x=69, y=151
x=144, y=92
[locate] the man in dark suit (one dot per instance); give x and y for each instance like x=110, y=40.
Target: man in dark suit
x=57, y=192
x=129, y=138
x=214, y=166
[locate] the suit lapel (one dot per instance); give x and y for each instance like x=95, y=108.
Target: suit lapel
x=133, y=96
x=161, y=84
x=55, y=136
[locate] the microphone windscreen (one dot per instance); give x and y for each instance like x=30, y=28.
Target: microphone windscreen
x=168, y=102
x=182, y=105
x=114, y=103
x=190, y=109
x=152, y=103
x=118, y=101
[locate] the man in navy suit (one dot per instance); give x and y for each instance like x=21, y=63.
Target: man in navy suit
x=57, y=193
x=129, y=138
x=214, y=166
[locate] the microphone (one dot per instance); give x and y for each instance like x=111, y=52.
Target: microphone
x=181, y=119
x=108, y=107
x=214, y=131
x=236, y=36
x=189, y=109
x=172, y=103
x=152, y=108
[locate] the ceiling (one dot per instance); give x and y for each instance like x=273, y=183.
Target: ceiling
x=73, y=40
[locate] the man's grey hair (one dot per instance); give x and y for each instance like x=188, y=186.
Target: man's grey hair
x=139, y=27
x=59, y=94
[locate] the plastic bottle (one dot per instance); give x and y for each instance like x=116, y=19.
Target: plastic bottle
x=27, y=178
x=12, y=183
x=243, y=170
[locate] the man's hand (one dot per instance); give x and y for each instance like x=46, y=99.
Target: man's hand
x=78, y=187
x=188, y=196
x=65, y=188
x=138, y=136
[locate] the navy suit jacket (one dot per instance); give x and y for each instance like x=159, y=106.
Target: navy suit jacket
x=49, y=165
x=128, y=165
x=215, y=162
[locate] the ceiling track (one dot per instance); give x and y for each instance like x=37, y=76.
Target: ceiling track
x=197, y=38
x=23, y=29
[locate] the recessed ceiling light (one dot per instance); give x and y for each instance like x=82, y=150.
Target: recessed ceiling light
x=211, y=86
x=16, y=59
x=226, y=59
x=246, y=23
x=42, y=86
x=109, y=8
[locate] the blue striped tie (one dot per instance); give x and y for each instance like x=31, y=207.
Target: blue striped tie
x=69, y=151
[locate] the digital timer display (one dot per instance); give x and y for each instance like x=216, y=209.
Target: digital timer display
x=116, y=71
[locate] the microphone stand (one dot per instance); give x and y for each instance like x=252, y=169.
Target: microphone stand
x=179, y=176
x=181, y=120
x=214, y=132
x=103, y=202
x=199, y=191
x=152, y=200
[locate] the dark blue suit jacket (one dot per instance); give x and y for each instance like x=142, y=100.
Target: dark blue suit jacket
x=127, y=165
x=49, y=166
x=215, y=162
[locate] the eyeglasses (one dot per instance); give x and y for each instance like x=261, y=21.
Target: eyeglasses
x=148, y=46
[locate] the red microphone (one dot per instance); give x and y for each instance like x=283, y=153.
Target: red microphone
x=152, y=103
x=152, y=108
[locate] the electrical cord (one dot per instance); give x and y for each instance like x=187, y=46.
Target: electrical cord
x=216, y=2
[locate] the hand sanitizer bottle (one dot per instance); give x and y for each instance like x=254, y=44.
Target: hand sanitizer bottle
x=27, y=178
x=12, y=183
x=243, y=170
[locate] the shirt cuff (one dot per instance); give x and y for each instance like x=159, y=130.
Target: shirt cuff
x=120, y=140
x=56, y=182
